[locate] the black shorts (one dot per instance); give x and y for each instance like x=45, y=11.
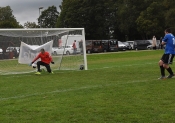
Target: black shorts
x=167, y=58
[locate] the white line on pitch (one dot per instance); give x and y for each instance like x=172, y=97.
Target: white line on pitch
x=71, y=89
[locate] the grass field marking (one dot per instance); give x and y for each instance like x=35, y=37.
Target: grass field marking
x=74, y=89
x=125, y=66
x=51, y=92
x=17, y=76
x=60, y=71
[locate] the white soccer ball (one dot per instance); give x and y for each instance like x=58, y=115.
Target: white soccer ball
x=81, y=67
x=34, y=65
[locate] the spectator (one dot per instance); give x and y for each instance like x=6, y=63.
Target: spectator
x=74, y=47
x=154, y=42
x=15, y=52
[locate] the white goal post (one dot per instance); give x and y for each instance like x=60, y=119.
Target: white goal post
x=18, y=47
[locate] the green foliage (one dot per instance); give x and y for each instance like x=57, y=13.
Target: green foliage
x=105, y=19
x=30, y=25
x=48, y=17
x=150, y=20
x=169, y=18
x=126, y=14
x=88, y=14
x=7, y=19
x=170, y=15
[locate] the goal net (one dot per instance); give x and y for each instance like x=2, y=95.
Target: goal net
x=18, y=48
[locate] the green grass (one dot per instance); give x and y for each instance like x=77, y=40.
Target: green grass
x=118, y=88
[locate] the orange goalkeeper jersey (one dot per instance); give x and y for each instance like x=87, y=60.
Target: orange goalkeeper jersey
x=45, y=57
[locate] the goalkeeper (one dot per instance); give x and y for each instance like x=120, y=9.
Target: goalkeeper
x=46, y=59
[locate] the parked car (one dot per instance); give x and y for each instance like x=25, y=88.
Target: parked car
x=132, y=44
x=128, y=45
x=12, y=49
x=66, y=50
x=97, y=46
x=142, y=44
x=94, y=46
x=1, y=51
x=121, y=46
x=110, y=45
x=150, y=47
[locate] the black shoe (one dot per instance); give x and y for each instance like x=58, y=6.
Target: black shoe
x=170, y=76
x=162, y=77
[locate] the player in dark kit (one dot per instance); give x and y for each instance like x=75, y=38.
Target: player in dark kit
x=168, y=55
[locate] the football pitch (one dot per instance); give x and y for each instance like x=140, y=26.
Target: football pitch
x=119, y=87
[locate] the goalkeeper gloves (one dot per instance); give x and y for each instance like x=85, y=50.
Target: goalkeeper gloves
x=31, y=64
x=53, y=62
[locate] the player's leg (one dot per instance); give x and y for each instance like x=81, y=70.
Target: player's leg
x=169, y=60
x=39, y=63
x=47, y=67
x=162, y=69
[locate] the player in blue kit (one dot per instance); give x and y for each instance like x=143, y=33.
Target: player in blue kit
x=167, y=57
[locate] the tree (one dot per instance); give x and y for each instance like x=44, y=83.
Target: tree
x=127, y=12
x=88, y=14
x=30, y=25
x=169, y=14
x=7, y=19
x=151, y=22
x=119, y=19
x=48, y=17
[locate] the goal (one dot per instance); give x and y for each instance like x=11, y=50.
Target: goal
x=18, y=47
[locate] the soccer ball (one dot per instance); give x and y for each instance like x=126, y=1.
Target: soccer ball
x=81, y=67
x=34, y=65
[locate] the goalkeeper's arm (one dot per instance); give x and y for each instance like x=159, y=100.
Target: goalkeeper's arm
x=35, y=59
x=51, y=59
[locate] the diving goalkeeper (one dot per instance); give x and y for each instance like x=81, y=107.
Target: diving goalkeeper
x=46, y=59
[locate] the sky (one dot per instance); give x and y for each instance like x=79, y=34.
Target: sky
x=28, y=10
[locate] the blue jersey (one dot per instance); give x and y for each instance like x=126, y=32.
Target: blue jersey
x=169, y=39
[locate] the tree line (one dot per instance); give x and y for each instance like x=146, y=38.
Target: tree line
x=104, y=19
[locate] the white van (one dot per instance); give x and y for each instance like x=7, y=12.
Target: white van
x=68, y=40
